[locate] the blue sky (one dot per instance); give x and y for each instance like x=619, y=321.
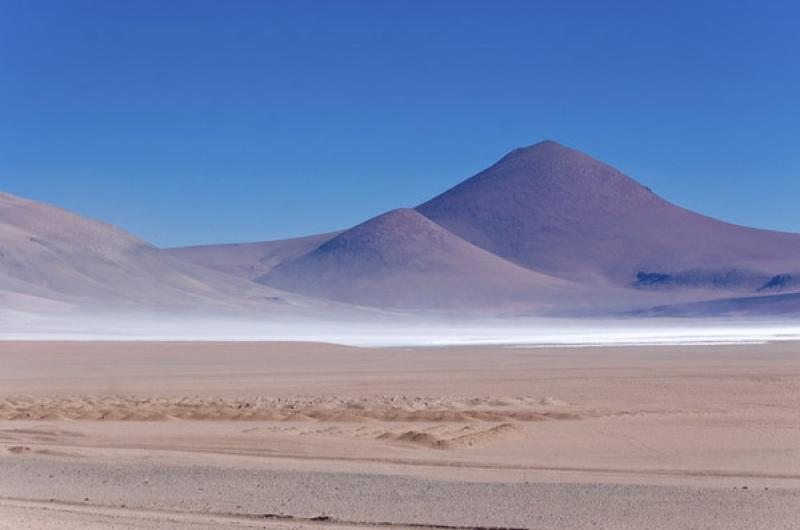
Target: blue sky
x=191, y=122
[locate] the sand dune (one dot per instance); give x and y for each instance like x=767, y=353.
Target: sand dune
x=467, y=436
x=328, y=409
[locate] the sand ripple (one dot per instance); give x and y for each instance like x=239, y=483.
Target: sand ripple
x=324, y=409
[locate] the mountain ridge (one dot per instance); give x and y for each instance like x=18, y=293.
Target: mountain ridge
x=52, y=257
x=545, y=230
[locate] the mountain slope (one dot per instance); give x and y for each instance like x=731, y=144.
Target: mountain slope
x=52, y=258
x=403, y=260
x=750, y=306
x=555, y=210
x=249, y=260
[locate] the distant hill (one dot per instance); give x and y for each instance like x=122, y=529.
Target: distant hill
x=250, y=260
x=53, y=259
x=403, y=260
x=771, y=305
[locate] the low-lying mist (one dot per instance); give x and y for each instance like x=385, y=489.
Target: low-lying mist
x=399, y=330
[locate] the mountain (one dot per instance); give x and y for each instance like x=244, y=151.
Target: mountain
x=403, y=260
x=751, y=306
x=555, y=210
x=250, y=260
x=503, y=237
x=53, y=259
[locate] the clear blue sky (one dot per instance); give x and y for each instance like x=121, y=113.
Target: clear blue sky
x=218, y=121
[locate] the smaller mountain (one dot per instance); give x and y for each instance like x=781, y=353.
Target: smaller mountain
x=403, y=260
x=249, y=260
x=52, y=259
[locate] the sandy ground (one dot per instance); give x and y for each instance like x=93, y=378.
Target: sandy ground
x=303, y=435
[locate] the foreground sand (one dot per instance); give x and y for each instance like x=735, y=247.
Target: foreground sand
x=293, y=435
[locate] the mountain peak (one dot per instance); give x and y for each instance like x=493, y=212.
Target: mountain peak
x=544, y=144
x=547, y=147
x=557, y=210
x=551, y=160
x=398, y=216
x=543, y=176
x=393, y=233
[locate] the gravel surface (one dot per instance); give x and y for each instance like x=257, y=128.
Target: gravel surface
x=371, y=499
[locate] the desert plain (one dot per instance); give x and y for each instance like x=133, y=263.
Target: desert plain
x=191, y=435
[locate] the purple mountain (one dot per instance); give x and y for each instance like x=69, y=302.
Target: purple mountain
x=403, y=260
x=775, y=305
x=545, y=228
x=555, y=210
x=55, y=260
x=250, y=260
